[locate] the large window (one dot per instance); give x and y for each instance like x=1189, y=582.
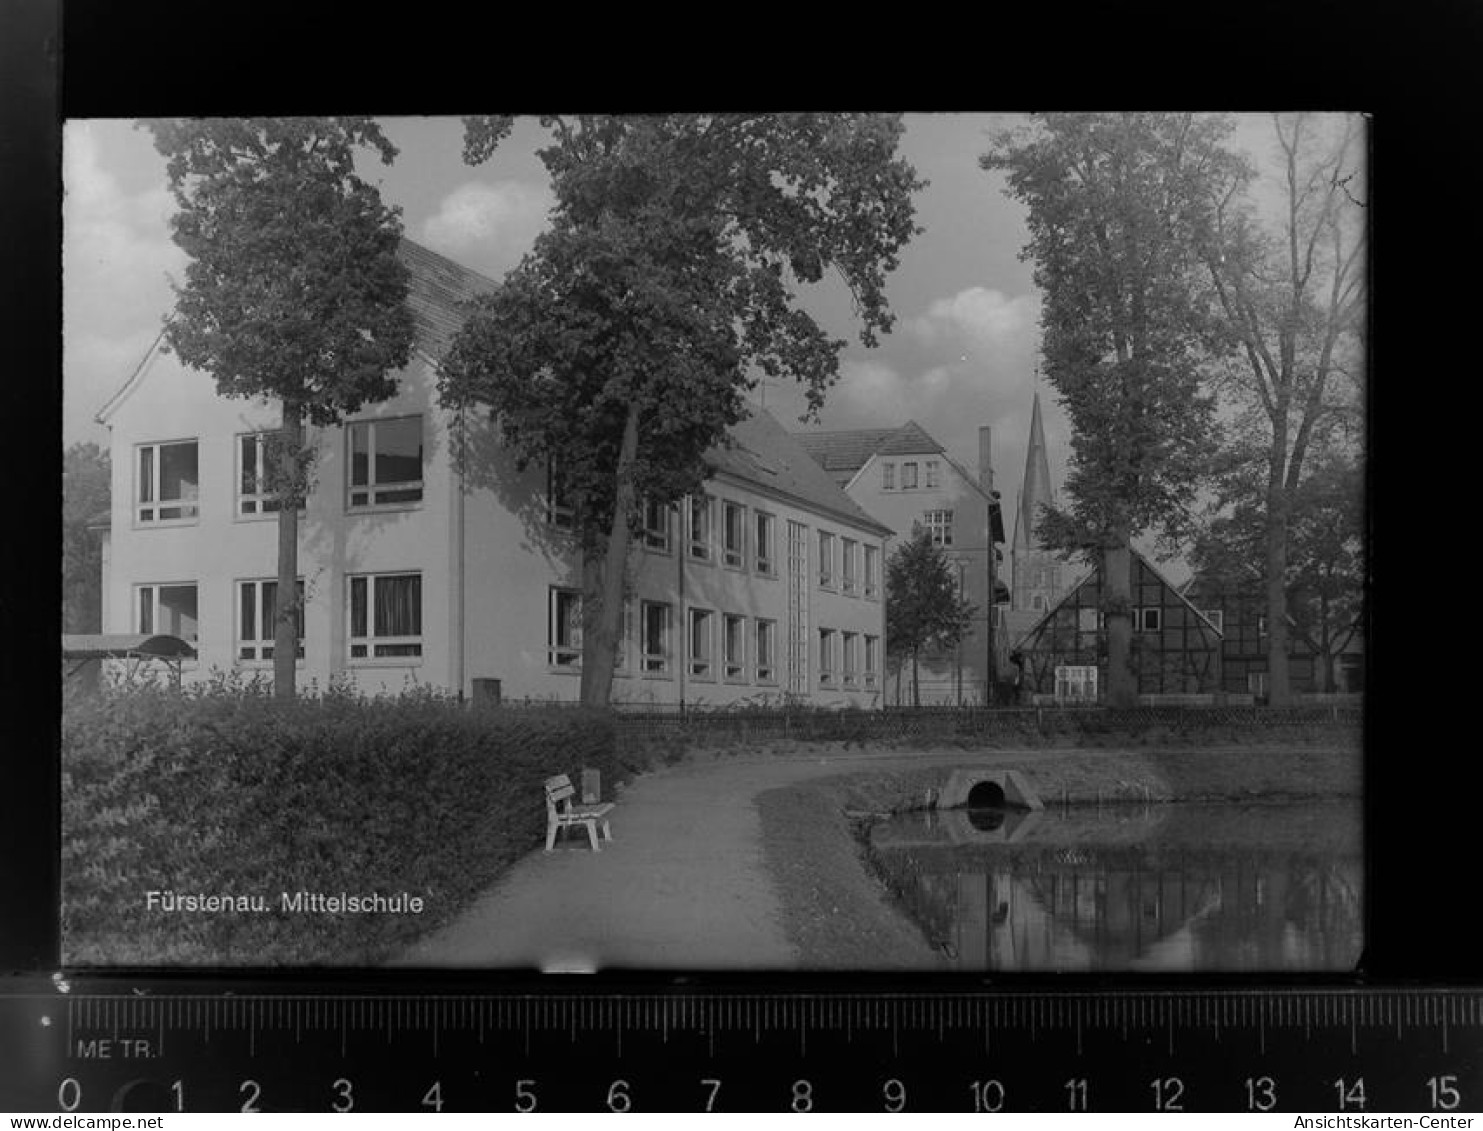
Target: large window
x=932, y=479
x=559, y=509
x=168, y=610
x=872, y=566
x=654, y=633
x=940, y=525
x=826, y=657
x=849, y=643
x=700, y=528
x=169, y=482
x=254, y=451
x=766, y=561
x=257, y=619
x=734, y=643
x=826, y=559
x=656, y=526
x=908, y=476
x=386, y=462
x=872, y=659
x=734, y=534
x=848, y=548
x=888, y=475
x=564, y=628
x=385, y=616
x=765, y=657
x=1076, y=683
x=702, y=644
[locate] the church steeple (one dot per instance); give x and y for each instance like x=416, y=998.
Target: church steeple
x=1035, y=492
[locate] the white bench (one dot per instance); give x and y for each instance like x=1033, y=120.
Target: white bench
x=561, y=813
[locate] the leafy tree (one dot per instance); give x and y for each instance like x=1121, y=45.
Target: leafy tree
x=293, y=292
x=1115, y=202
x=621, y=348
x=85, y=495
x=1292, y=290
x=1323, y=585
x=925, y=608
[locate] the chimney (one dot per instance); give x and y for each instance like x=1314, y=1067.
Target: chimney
x=985, y=465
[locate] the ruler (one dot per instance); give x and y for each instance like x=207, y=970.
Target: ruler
x=567, y=1048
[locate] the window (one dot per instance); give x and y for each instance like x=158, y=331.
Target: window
x=1076, y=683
x=700, y=528
x=848, y=547
x=932, y=473
x=386, y=462
x=766, y=562
x=908, y=476
x=826, y=559
x=1261, y=626
x=1256, y=683
x=656, y=526
x=888, y=476
x=564, y=629
x=254, y=451
x=940, y=525
x=702, y=646
x=735, y=629
x=872, y=659
x=849, y=642
x=559, y=511
x=257, y=619
x=169, y=610
x=385, y=616
x=826, y=657
x=169, y=482
x=871, y=567
x=620, y=646
x=1217, y=617
x=1147, y=619
x=1037, y=603
x=764, y=656
x=654, y=642
x=734, y=534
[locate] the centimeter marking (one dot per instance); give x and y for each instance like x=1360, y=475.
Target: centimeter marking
x=704, y=1013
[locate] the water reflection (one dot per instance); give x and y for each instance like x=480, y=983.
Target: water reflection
x=1158, y=888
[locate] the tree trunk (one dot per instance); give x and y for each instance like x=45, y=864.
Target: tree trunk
x=1279, y=690
x=286, y=606
x=1117, y=603
x=602, y=582
x=916, y=682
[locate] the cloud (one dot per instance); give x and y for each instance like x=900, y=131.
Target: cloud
x=488, y=226
x=981, y=321
x=116, y=259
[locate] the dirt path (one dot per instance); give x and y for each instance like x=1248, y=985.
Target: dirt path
x=681, y=886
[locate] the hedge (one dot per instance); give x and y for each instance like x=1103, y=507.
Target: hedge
x=230, y=793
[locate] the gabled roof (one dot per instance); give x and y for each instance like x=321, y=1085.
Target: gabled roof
x=761, y=452
x=437, y=291
x=1089, y=576
x=850, y=450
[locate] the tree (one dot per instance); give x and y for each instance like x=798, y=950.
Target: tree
x=1114, y=204
x=1294, y=300
x=1324, y=580
x=293, y=293
x=621, y=348
x=85, y=494
x=925, y=608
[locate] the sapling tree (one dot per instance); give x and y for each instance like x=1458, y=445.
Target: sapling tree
x=925, y=606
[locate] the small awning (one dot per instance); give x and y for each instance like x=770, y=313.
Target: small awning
x=119, y=646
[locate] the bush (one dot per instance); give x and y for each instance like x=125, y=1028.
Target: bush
x=229, y=792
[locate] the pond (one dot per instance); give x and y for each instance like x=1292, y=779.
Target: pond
x=1172, y=887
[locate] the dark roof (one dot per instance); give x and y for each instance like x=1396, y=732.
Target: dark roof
x=850, y=450
x=437, y=293
x=105, y=646
x=761, y=452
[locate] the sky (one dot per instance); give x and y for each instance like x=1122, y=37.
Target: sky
x=963, y=352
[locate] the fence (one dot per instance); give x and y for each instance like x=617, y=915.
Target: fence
x=894, y=724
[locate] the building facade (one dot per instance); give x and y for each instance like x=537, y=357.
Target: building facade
x=421, y=569
x=904, y=478
x=1176, y=650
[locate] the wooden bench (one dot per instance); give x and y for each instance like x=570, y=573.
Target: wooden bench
x=562, y=813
